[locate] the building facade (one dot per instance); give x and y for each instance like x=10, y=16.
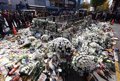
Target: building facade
x=11, y=4
x=71, y=4
x=48, y=3
x=30, y=2
x=63, y=3
x=3, y=4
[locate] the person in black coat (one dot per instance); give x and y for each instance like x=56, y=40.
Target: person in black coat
x=1, y=25
x=22, y=19
x=16, y=18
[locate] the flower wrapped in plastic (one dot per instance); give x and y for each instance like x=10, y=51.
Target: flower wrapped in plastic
x=83, y=63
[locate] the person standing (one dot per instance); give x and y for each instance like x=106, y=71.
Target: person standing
x=16, y=18
x=104, y=16
x=1, y=25
x=22, y=19
x=8, y=16
x=30, y=16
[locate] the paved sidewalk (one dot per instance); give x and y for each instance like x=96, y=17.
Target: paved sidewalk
x=116, y=28
x=101, y=79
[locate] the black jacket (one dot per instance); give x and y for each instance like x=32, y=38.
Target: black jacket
x=1, y=20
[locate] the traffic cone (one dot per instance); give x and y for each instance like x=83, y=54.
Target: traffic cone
x=14, y=30
x=112, y=22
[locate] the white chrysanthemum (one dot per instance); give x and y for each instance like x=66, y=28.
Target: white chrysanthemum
x=83, y=61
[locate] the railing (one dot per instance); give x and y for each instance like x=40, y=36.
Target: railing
x=62, y=18
x=62, y=25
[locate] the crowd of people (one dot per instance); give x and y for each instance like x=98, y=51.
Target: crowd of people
x=8, y=20
x=106, y=16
